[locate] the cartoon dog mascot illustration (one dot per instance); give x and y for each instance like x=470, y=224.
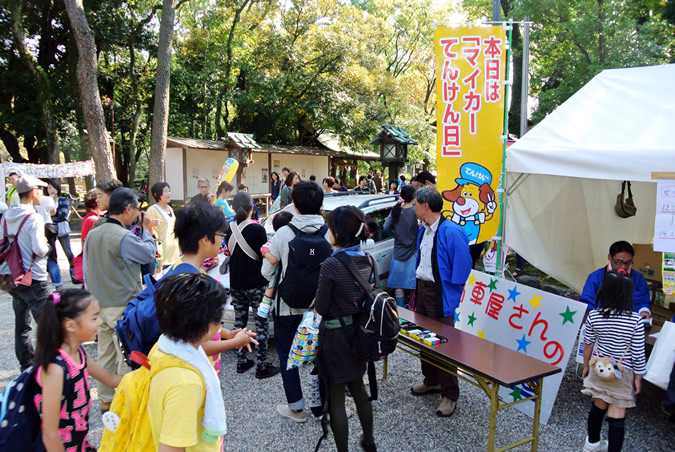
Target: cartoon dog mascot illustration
x=473, y=200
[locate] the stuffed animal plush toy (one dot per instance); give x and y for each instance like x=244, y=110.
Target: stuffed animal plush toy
x=606, y=368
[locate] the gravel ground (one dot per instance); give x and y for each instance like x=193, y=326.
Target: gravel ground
x=403, y=422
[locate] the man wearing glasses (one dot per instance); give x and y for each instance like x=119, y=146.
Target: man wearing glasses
x=112, y=273
x=204, y=196
x=620, y=257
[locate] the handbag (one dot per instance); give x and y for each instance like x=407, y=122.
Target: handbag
x=51, y=230
x=607, y=368
x=63, y=228
x=306, y=340
x=625, y=208
x=660, y=363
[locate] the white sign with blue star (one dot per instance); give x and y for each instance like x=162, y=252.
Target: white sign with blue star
x=530, y=321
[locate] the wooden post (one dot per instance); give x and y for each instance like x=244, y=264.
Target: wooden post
x=185, y=185
x=269, y=175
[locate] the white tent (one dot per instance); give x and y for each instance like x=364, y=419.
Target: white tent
x=563, y=176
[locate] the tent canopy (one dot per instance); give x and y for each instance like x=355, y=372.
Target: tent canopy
x=563, y=176
x=620, y=126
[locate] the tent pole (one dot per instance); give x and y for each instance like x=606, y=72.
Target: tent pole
x=522, y=177
x=505, y=136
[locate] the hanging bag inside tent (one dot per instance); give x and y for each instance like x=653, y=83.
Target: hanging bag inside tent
x=625, y=208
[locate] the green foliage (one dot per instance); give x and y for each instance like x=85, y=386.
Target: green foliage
x=574, y=40
x=288, y=70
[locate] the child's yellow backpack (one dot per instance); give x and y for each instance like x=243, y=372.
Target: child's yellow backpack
x=127, y=425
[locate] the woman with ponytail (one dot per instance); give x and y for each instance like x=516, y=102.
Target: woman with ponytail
x=339, y=294
x=68, y=319
x=403, y=222
x=223, y=192
x=247, y=285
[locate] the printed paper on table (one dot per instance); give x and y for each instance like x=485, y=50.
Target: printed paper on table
x=528, y=320
x=470, y=70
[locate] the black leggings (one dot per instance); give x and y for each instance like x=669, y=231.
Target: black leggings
x=338, y=413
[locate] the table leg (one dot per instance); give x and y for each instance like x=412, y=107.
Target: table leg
x=537, y=409
x=494, y=408
x=384, y=372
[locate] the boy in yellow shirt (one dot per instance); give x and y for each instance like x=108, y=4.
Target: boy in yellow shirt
x=185, y=406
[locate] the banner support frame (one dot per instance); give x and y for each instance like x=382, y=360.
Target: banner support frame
x=502, y=180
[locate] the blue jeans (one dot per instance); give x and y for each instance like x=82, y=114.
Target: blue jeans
x=65, y=244
x=54, y=272
x=284, y=332
x=27, y=302
x=52, y=264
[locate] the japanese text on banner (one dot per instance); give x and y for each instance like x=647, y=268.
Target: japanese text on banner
x=470, y=68
x=539, y=324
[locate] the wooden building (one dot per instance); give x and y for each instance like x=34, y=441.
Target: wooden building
x=189, y=159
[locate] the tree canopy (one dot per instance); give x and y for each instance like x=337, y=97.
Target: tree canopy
x=287, y=70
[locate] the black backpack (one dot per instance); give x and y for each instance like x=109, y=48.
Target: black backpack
x=306, y=252
x=19, y=418
x=377, y=335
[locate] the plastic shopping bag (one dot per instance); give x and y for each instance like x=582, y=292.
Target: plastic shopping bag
x=660, y=362
x=306, y=341
x=276, y=205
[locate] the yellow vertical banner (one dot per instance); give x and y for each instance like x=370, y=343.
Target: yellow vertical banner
x=470, y=68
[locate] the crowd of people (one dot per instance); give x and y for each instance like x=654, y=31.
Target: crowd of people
x=372, y=183
x=122, y=244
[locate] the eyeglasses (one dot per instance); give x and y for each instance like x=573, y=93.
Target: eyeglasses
x=620, y=262
x=221, y=235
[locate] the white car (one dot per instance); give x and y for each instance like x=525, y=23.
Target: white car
x=376, y=209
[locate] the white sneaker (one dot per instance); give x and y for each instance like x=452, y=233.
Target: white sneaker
x=600, y=446
x=298, y=416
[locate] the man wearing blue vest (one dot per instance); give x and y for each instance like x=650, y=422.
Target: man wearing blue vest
x=112, y=273
x=443, y=266
x=620, y=257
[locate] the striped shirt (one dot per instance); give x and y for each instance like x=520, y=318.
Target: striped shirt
x=614, y=334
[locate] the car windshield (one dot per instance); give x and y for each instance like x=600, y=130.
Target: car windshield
x=376, y=209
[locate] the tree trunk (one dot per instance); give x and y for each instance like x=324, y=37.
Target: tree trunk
x=135, y=123
x=11, y=144
x=99, y=147
x=71, y=58
x=220, y=132
x=138, y=110
x=160, y=115
x=29, y=142
x=42, y=83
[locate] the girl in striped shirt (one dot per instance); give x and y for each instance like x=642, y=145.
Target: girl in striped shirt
x=613, y=330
